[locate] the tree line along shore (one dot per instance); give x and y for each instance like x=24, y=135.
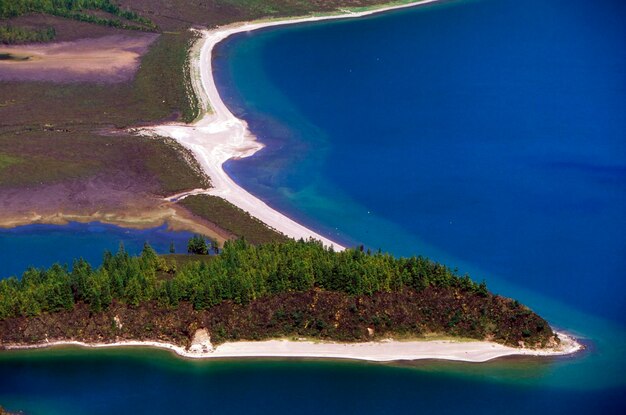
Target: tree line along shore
x=101, y=12
x=256, y=292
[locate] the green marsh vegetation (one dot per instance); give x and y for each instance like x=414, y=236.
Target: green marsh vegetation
x=232, y=219
x=81, y=10
x=6, y=161
x=163, y=82
x=45, y=155
x=16, y=34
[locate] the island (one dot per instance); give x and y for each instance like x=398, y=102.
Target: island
x=289, y=299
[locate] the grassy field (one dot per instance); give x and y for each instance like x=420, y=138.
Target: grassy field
x=227, y=216
x=34, y=157
x=158, y=91
x=54, y=131
x=163, y=78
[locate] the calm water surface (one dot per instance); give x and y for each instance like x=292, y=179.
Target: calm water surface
x=43, y=245
x=148, y=382
x=487, y=134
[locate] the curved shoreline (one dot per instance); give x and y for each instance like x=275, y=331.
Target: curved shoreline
x=380, y=351
x=220, y=136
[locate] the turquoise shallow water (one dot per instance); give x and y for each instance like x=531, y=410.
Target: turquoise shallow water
x=487, y=134
x=147, y=382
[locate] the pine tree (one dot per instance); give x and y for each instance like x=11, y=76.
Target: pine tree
x=197, y=245
x=132, y=294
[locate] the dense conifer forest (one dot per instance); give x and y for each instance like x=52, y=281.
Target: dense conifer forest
x=413, y=296
x=240, y=273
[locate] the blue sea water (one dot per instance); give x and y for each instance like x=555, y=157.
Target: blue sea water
x=491, y=133
x=43, y=245
x=486, y=134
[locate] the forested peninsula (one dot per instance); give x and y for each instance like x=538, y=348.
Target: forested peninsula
x=257, y=292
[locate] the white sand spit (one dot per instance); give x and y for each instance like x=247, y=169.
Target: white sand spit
x=219, y=136
x=383, y=351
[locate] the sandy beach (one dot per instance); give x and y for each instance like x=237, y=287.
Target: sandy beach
x=382, y=351
x=107, y=59
x=219, y=136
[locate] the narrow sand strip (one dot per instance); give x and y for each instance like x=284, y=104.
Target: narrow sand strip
x=220, y=136
x=384, y=351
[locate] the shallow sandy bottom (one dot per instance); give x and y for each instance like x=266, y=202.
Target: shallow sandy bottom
x=104, y=59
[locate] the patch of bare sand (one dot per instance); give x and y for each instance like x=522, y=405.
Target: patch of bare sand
x=106, y=59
